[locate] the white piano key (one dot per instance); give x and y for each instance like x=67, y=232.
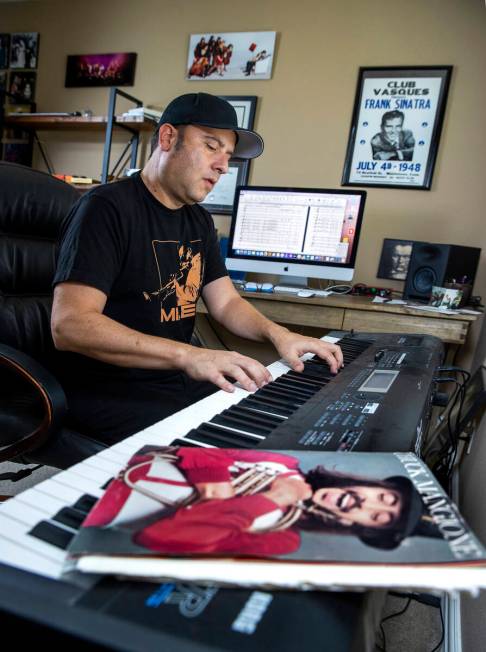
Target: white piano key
x=45, y=504
x=16, y=555
x=65, y=482
x=18, y=532
x=102, y=464
x=69, y=493
x=24, y=512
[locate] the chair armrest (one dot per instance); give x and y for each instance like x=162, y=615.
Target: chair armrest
x=48, y=390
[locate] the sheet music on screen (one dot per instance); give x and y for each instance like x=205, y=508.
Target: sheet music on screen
x=297, y=225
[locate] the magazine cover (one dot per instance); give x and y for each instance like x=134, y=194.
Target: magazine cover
x=326, y=507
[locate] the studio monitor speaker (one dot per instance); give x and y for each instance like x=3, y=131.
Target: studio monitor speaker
x=436, y=264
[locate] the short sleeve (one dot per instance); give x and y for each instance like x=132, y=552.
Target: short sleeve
x=214, y=265
x=91, y=248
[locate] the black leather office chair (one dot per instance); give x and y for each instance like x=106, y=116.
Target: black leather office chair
x=32, y=402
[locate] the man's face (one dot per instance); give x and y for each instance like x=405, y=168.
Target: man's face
x=367, y=506
x=392, y=128
x=400, y=260
x=196, y=163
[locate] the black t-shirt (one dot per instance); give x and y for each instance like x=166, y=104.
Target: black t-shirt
x=150, y=261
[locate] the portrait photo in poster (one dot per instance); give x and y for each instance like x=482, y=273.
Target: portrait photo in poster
x=219, y=56
x=396, y=125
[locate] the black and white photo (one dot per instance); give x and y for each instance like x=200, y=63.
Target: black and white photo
x=24, y=49
x=395, y=258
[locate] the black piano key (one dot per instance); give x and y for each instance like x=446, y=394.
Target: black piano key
x=320, y=366
x=300, y=379
x=50, y=533
x=313, y=373
x=184, y=442
x=277, y=399
x=266, y=406
x=85, y=503
x=271, y=421
x=305, y=392
x=70, y=517
x=213, y=436
x=291, y=392
x=240, y=424
x=280, y=394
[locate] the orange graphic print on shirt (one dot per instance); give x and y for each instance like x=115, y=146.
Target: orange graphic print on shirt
x=179, y=288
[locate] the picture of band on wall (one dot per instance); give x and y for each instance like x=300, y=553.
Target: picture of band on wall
x=230, y=55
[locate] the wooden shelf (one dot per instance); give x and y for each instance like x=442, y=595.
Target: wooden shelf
x=59, y=123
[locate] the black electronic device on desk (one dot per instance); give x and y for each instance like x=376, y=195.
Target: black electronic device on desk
x=379, y=401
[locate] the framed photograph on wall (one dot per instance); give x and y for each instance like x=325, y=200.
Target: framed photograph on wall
x=24, y=48
x=245, y=107
x=222, y=196
x=396, y=126
x=394, y=259
x=219, y=56
x=93, y=70
x=4, y=50
x=22, y=86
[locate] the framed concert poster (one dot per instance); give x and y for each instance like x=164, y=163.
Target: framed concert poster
x=396, y=126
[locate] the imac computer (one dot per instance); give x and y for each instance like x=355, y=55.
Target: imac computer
x=295, y=232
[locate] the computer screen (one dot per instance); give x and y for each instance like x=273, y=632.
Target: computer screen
x=295, y=232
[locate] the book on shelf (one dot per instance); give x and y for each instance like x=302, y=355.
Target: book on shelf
x=286, y=519
x=75, y=179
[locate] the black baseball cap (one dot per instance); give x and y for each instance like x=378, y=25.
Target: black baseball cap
x=212, y=111
x=409, y=521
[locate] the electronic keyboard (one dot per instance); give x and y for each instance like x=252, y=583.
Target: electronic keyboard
x=380, y=400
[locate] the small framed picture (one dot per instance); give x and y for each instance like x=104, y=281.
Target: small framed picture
x=93, y=70
x=4, y=50
x=24, y=48
x=22, y=87
x=396, y=126
x=245, y=107
x=395, y=258
x=222, y=197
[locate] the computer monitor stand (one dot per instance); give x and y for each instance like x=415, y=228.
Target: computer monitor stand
x=298, y=281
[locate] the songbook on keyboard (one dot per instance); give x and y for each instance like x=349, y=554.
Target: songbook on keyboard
x=280, y=519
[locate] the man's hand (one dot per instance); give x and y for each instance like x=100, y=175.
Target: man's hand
x=286, y=491
x=215, y=490
x=216, y=366
x=292, y=345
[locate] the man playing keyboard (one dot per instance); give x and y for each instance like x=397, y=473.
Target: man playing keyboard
x=135, y=256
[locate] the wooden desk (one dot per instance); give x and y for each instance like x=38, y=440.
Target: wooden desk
x=346, y=312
